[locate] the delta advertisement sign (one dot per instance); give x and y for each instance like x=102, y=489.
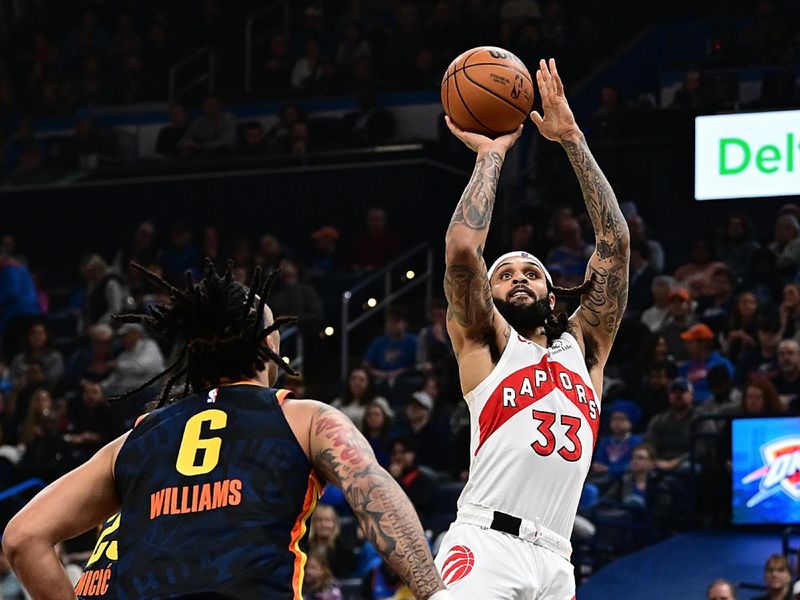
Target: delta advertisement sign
x=766, y=471
x=751, y=155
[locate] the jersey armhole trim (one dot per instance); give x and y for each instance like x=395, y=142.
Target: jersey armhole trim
x=489, y=379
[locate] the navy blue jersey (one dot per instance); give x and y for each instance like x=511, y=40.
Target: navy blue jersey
x=97, y=580
x=216, y=492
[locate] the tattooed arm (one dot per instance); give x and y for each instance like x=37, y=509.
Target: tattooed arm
x=342, y=456
x=466, y=286
x=601, y=309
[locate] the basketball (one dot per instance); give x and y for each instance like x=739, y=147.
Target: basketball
x=487, y=90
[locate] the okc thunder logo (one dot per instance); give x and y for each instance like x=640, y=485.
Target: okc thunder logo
x=781, y=470
x=457, y=565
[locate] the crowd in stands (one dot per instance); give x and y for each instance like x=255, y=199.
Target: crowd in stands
x=703, y=341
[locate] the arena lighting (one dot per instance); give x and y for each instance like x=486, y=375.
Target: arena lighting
x=372, y=303
x=410, y=274
x=329, y=331
x=747, y=155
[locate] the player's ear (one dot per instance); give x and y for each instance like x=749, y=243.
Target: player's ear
x=552, y=297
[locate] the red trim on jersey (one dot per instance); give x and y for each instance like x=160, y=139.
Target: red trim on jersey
x=299, y=530
x=529, y=385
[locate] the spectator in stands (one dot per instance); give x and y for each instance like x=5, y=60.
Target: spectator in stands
x=327, y=543
x=430, y=438
x=608, y=121
x=270, y=253
x=306, y=72
x=293, y=297
x=736, y=245
x=742, y=326
x=715, y=308
x=23, y=151
x=760, y=399
x=139, y=360
x=19, y=306
x=789, y=311
x=91, y=425
x=787, y=381
x=724, y=399
x=181, y=255
x=762, y=360
x=94, y=361
x=213, y=134
x=375, y=426
x=353, y=46
x=613, y=453
x=655, y=316
x=653, y=397
x=358, y=393
x=10, y=587
x=105, y=295
x=324, y=256
x=699, y=341
x=393, y=354
x=777, y=579
x=669, y=431
x=319, y=583
x=640, y=294
x=168, y=143
x=631, y=488
x=434, y=349
x=679, y=320
x=211, y=247
x=38, y=346
x=289, y=116
x=763, y=277
x=691, y=94
x=696, y=274
x=571, y=253
x=277, y=66
x=22, y=395
x=91, y=89
x=370, y=124
x=143, y=249
x=83, y=148
x=721, y=589
x=254, y=141
x=786, y=245
x=40, y=409
x=418, y=484
x=46, y=453
x=378, y=245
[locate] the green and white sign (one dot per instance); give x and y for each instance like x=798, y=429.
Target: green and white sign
x=749, y=155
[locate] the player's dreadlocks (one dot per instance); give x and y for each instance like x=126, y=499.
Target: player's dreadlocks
x=556, y=324
x=222, y=336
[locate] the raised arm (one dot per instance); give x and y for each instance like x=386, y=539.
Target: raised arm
x=342, y=456
x=601, y=309
x=466, y=286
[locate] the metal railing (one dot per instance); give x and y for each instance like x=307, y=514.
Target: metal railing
x=389, y=295
x=254, y=38
x=207, y=76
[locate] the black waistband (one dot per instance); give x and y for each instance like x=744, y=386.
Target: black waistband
x=506, y=523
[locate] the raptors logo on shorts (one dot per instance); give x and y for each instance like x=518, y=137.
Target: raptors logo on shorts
x=457, y=565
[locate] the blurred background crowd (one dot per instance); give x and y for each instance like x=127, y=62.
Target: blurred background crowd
x=712, y=329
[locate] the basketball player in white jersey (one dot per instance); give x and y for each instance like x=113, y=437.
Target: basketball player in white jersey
x=532, y=380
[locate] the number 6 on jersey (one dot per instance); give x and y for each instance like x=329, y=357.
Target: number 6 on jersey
x=196, y=449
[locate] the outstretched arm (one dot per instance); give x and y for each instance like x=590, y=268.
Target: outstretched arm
x=466, y=286
x=342, y=456
x=601, y=309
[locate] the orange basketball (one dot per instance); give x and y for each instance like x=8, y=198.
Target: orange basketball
x=487, y=90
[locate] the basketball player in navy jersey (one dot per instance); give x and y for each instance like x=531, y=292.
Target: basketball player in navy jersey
x=215, y=488
x=532, y=380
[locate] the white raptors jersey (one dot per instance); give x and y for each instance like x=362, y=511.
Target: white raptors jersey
x=533, y=422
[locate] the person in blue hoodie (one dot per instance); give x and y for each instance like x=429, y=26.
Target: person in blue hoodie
x=18, y=303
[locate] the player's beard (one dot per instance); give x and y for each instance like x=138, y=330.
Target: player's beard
x=525, y=317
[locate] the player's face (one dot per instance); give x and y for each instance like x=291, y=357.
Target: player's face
x=519, y=282
x=519, y=290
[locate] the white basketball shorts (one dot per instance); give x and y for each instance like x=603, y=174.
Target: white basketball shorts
x=478, y=563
